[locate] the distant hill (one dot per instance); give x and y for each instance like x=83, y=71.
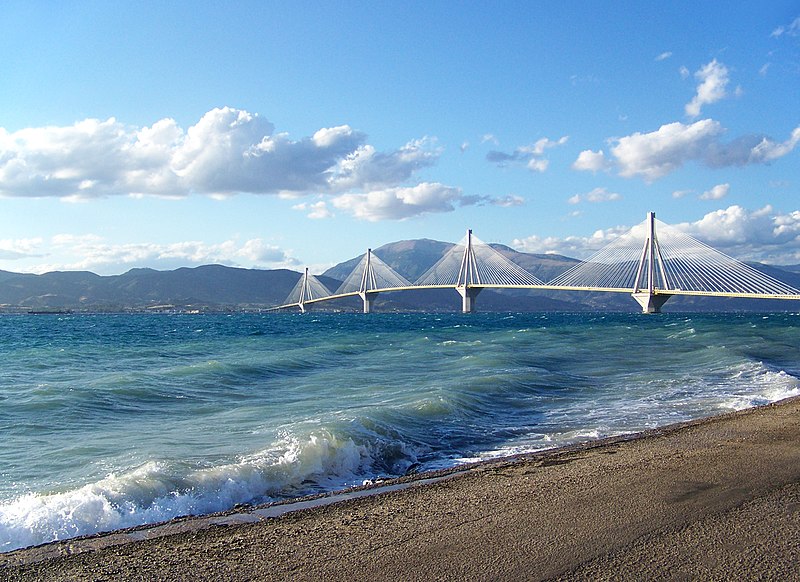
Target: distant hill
x=206, y=287
x=217, y=287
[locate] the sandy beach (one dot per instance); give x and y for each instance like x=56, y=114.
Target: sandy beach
x=712, y=499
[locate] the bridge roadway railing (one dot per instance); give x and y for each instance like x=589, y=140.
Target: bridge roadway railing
x=656, y=291
x=735, y=295
x=359, y=293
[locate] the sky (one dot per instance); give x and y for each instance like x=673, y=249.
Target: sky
x=289, y=134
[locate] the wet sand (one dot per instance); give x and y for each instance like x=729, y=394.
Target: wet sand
x=712, y=499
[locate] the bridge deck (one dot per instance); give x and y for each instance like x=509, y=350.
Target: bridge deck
x=668, y=292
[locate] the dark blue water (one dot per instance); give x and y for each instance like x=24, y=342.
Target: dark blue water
x=108, y=421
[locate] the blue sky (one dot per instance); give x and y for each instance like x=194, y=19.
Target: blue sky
x=273, y=135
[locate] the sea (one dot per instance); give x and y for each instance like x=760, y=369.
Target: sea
x=112, y=421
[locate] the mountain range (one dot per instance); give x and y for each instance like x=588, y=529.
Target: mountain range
x=219, y=288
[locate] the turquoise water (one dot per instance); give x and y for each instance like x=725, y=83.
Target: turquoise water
x=109, y=421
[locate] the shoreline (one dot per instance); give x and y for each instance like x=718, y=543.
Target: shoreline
x=673, y=460
x=240, y=514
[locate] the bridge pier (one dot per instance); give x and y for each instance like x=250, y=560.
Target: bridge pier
x=468, y=295
x=368, y=299
x=650, y=302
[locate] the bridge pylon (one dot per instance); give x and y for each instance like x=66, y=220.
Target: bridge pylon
x=369, y=277
x=308, y=288
x=305, y=292
x=468, y=275
x=651, y=283
x=368, y=284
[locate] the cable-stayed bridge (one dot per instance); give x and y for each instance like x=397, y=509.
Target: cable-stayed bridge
x=652, y=262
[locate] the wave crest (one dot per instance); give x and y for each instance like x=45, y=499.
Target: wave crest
x=159, y=491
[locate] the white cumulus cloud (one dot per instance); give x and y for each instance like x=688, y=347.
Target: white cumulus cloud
x=402, y=202
x=768, y=150
x=759, y=235
x=716, y=193
x=713, y=79
x=594, y=196
x=366, y=168
x=591, y=161
x=655, y=154
x=230, y=151
x=226, y=151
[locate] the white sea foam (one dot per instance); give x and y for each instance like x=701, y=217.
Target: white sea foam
x=764, y=385
x=745, y=385
x=159, y=491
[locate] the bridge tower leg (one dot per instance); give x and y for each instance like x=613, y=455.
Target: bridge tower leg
x=368, y=299
x=650, y=303
x=468, y=295
x=651, y=296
